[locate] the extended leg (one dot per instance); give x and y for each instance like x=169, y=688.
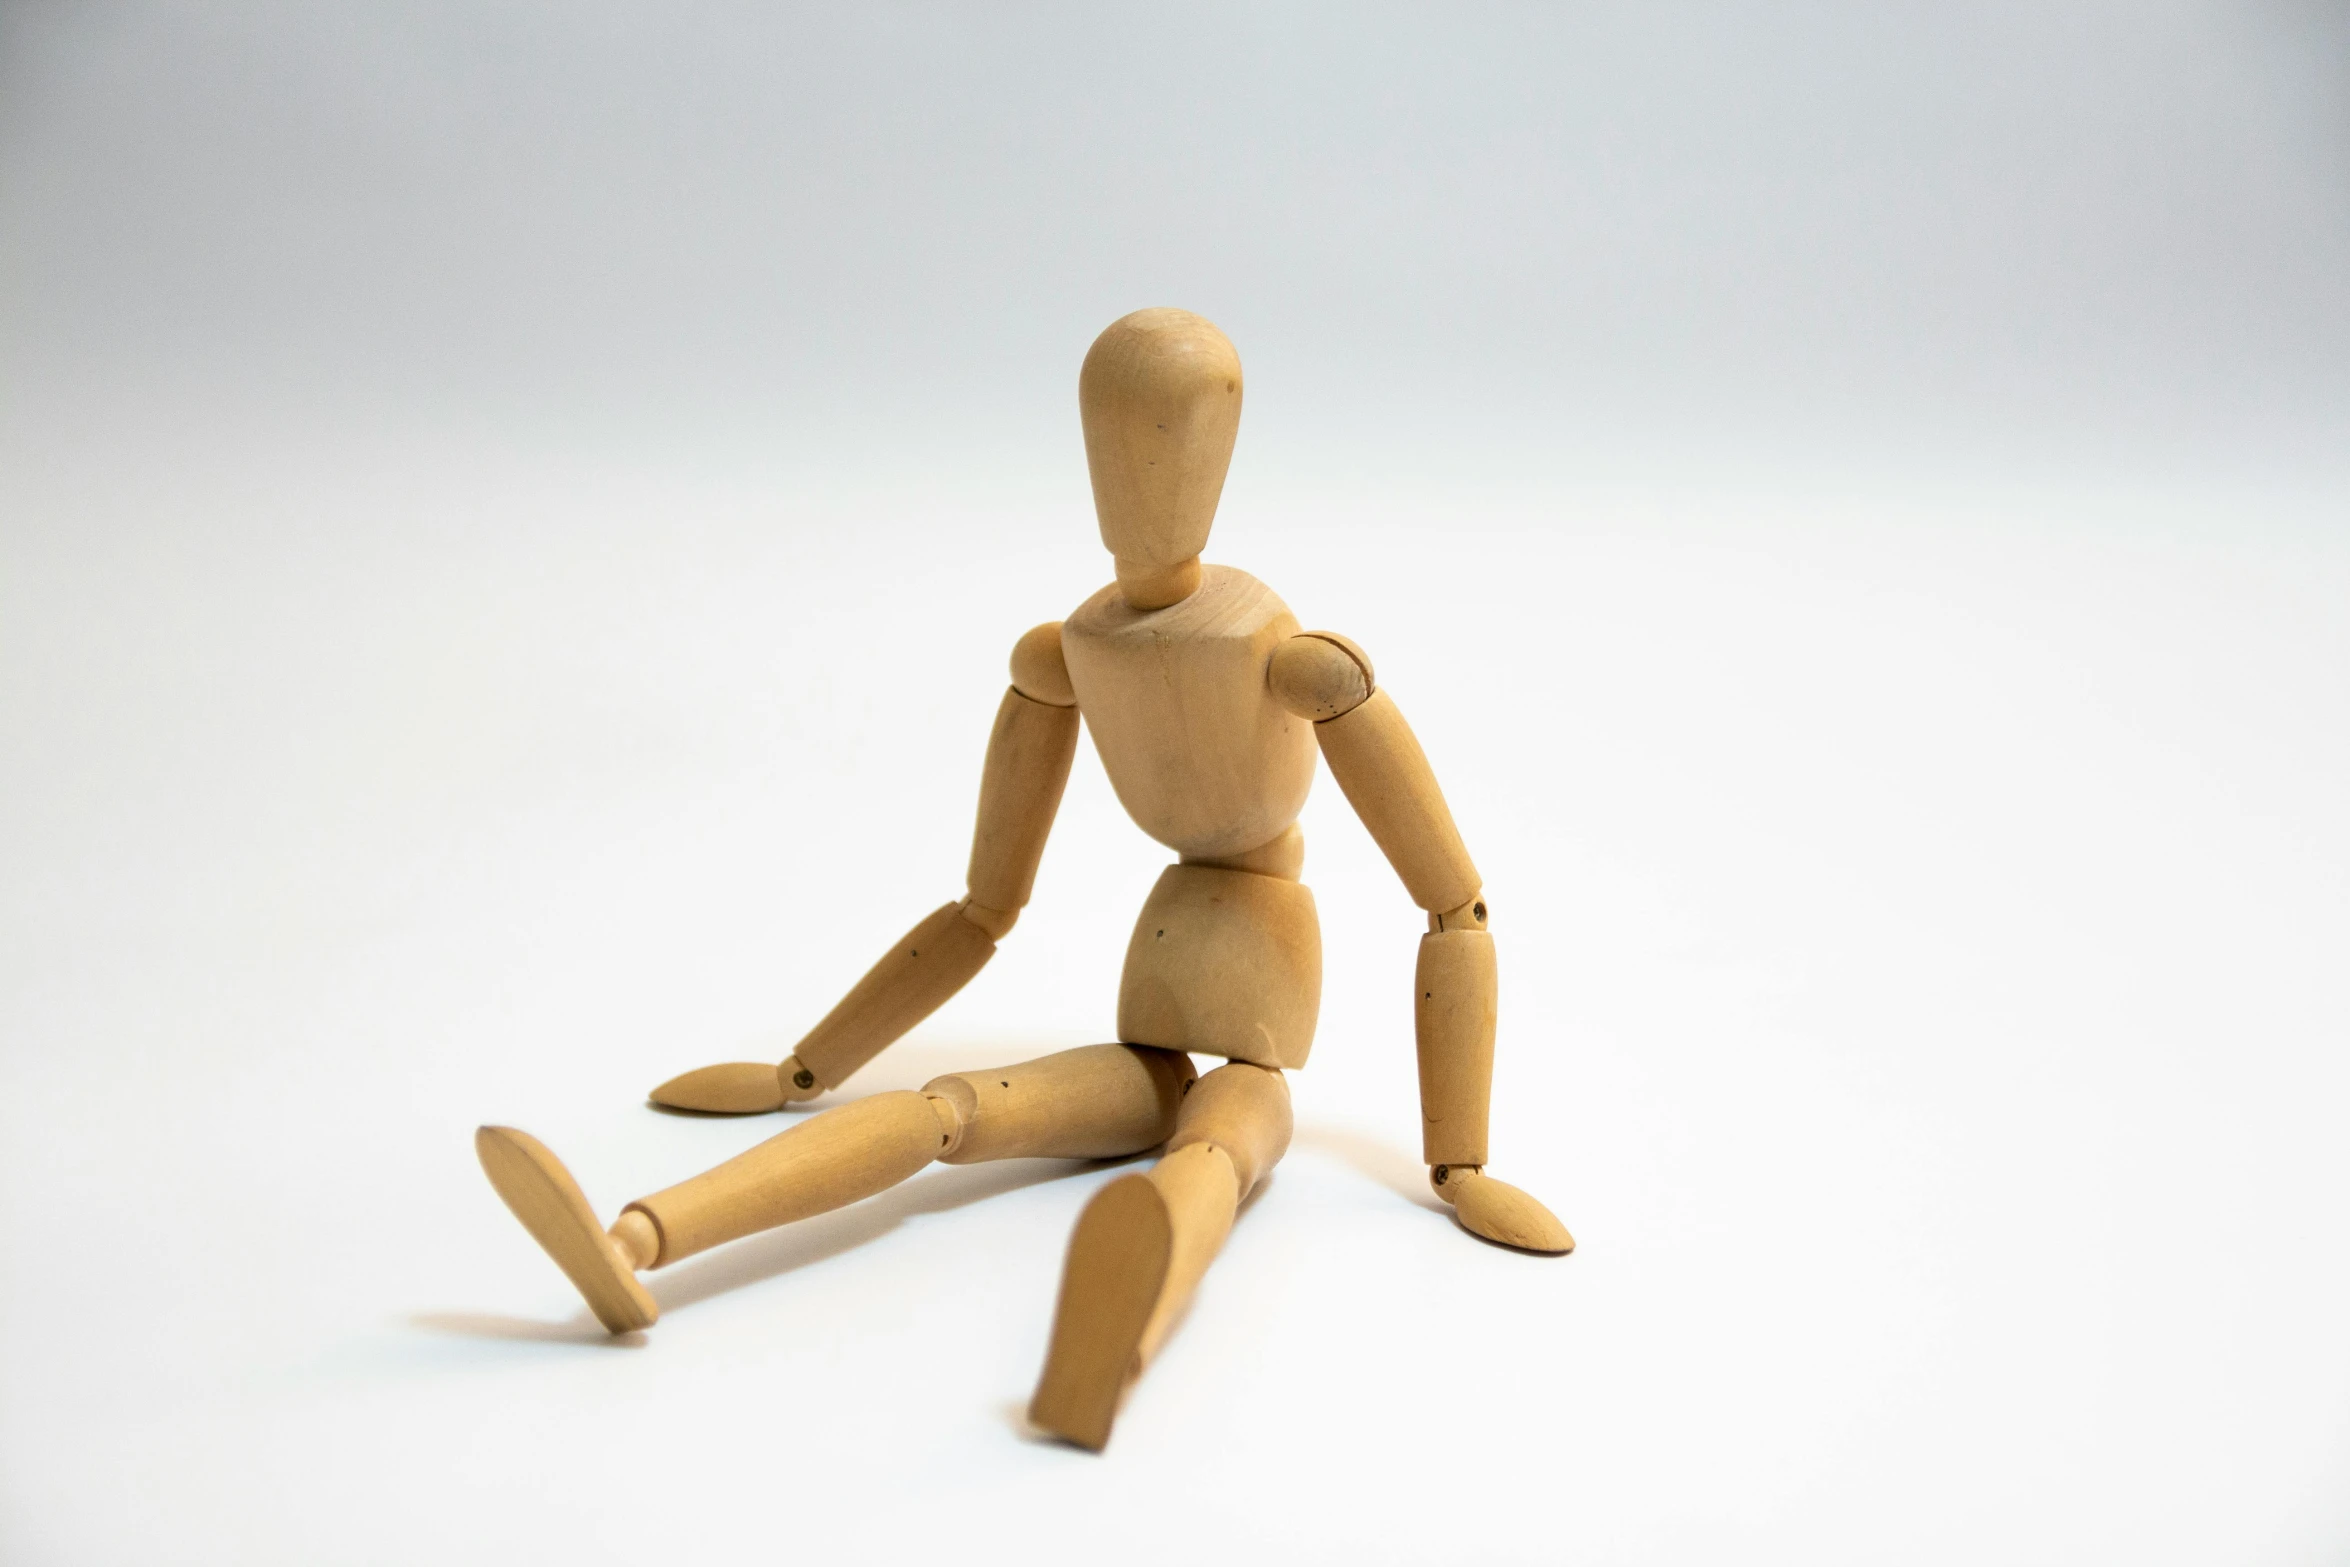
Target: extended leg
x=1145, y=1240
x=1101, y=1101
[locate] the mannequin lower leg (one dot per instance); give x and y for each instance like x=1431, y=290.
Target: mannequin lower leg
x=827, y=1162
x=1145, y=1241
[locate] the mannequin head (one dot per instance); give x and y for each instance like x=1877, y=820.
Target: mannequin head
x=1160, y=398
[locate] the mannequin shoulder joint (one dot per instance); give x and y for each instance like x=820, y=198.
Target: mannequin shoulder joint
x=1320, y=675
x=1039, y=672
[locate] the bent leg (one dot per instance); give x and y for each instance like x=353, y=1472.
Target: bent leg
x=1098, y=1101
x=1144, y=1242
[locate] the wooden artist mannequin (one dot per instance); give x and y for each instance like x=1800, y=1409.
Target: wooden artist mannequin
x=1208, y=706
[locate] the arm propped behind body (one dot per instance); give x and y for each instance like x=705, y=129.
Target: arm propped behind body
x=1028, y=757
x=1386, y=777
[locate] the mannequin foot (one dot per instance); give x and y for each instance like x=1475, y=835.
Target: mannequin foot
x=1499, y=1211
x=549, y=1203
x=1117, y=1265
x=739, y=1088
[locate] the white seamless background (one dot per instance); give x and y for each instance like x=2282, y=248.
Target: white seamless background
x=511, y=522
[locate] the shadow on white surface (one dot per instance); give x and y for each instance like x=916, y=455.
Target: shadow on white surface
x=1015, y=1413
x=1390, y=1166
x=583, y=1329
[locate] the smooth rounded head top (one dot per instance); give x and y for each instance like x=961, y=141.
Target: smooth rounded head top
x=1160, y=397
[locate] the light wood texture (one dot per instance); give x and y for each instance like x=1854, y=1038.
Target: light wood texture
x=1500, y=1212
x=1379, y=764
x=1110, y=1286
x=1019, y=792
x=542, y=1194
x=1095, y=1102
x=1144, y=1242
x=997, y=923
x=1225, y=963
x=929, y=963
x=1203, y=1192
x=729, y=1088
x=635, y=1238
x=1354, y=650
x=1242, y=1109
x=1320, y=675
x=1453, y=1017
x=828, y=1162
x=1159, y=395
x=1039, y=673
x=1284, y=857
x=1156, y=587
x=1200, y=754
x=1469, y=916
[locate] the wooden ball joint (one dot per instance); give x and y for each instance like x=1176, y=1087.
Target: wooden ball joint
x=1209, y=707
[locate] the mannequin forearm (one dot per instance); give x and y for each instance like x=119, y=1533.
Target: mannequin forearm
x=1028, y=757
x=913, y=979
x=1453, y=1018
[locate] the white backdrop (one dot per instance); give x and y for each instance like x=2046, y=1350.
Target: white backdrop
x=512, y=526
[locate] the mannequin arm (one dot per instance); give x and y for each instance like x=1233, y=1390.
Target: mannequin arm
x=1028, y=757
x=1386, y=777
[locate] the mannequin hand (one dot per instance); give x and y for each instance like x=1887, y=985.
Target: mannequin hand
x=739, y=1088
x=1499, y=1211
